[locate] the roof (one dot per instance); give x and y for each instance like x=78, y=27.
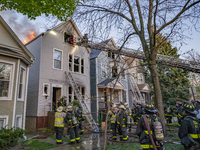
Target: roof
x=111, y=83
x=18, y=41
x=104, y=43
x=94, y=53
x=105, y=82
x=144, y=87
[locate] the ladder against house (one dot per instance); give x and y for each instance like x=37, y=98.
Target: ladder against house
x=80, y=98
x=135, y=90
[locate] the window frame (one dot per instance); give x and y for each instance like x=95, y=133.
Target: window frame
x=73, y=92
x=10, y=91
x=81, y=58
x=5, y=118
x=78, y=64
x=24, y=84
x=61, y=65
x=48, y=90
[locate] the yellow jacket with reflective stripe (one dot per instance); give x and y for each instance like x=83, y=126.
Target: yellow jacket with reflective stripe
x=59, y=119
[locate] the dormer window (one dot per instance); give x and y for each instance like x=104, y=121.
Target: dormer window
x=70, y=39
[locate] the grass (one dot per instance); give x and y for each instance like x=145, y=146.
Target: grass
x=38, y=145
x=123, y=146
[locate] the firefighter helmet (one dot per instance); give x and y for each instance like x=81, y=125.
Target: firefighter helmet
x=149, y=107
x=125, y=104
x=188, y=107
x=60, y=108
x=114, y=105
x=167, y=102
x=121, y=106
x=69, y=107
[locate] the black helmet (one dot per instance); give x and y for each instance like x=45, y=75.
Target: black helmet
x=150, y=108
x=168, y=102
x=190, y=108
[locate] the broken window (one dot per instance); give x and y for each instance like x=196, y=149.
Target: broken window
x=76, y=64
x=70, y=94
x=70, y=62
x=83, y=91
x=82, y=65
x=46, y=89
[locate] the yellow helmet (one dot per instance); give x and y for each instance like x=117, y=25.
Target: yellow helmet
x=60, y=108
x=114, y=106
x=121, y=106
x=69, y=107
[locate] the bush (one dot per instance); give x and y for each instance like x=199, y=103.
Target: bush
x=10, y=137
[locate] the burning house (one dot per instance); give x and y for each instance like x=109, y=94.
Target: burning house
x=57, y=55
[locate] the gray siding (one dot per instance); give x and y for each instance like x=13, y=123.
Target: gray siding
x=93, y=87
x=33, y=80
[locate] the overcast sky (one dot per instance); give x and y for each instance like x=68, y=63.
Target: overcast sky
x=22, y=26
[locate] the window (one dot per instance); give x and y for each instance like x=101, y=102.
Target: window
x=69, y=38
x=76, y=64
x=70, y=62
x=46, y=89
x=114, y=72
x=82, y=65
x=123, y=74
x=83, y=91
x=57, y=59
x=140, y=78
x=3, y=121
x=70, y=94
x=18, y=121
x=103, y=71
x=5, y=79
x=21, y=84
x=111, y=54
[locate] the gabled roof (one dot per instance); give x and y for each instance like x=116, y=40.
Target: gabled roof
x=18, y=41
x=59, y=25
x=144, y=87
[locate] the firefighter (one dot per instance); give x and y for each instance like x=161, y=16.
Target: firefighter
x=80, y=118
x=134, y=113
x=59, y=124
x=62, y=102
x=138, y=112
x=156, y=129
x=129, y=116
x=122, y=123
x=179, y=112
x=168, y=113
x=189, y=129
x=112, y=117
x=71, y=120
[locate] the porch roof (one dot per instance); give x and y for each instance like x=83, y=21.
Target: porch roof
x=110, y=83
x=144, y=88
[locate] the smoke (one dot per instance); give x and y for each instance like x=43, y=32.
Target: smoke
x=21, y=25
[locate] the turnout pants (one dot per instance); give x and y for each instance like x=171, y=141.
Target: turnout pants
x=148, y=146
x=59, y=133
x=169, y=120
x=81, y=127
x=122, y=133
x=113, y=130
x=73, y=133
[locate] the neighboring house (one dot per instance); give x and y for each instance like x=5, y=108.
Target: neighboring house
x=15, y=60
x=104, y=68
x=55, y=52
x=135, y=73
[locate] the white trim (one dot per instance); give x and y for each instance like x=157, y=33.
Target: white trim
x=16, y=95
x=23, y=89
x=11, y=80
x=79, y=64
x=56, y=49
x=25, y=98
x=48, y=90
x=18, y=116
x=5, y=117
x=58, y=86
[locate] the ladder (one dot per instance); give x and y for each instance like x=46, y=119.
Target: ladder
x=135, y=89
x=80, y=98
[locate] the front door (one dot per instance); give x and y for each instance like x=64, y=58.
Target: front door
x=56, y=97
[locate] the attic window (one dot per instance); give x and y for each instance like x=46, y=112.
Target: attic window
x=111, y=54
x=70, y=39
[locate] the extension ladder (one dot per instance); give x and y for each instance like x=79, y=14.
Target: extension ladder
x=80, y=98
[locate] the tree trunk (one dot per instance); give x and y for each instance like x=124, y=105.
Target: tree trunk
x=157, y=90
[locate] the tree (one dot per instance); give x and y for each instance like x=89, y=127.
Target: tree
x=62, y=9
x=140, y=19
x=173, y=81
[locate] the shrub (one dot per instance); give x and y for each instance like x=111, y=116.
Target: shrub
x=10, y=137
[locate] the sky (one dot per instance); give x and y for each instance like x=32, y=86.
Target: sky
x=22, y=27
